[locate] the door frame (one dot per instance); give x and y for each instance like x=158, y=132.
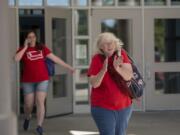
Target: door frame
x=15, y=77
x=135, y=16
x=61, y=105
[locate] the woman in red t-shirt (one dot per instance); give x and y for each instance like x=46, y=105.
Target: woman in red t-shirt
x=110, y=104
x=35, y=77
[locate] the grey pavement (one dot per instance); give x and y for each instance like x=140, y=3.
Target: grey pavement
x=141, y=123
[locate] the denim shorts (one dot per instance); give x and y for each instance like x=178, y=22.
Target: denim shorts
x=111, y=122
x=34, y=87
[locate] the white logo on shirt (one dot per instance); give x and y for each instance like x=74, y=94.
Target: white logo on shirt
x=34, y=55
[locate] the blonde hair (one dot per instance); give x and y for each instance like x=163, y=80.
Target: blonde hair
x=107, y=37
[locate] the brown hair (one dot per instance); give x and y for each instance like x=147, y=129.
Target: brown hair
x=39, y=46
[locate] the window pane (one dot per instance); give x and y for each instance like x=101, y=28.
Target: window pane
x=31, y=12
x=82, y=52
x=103, y=2
x=167, y=82
x=58, y=2
x=30, y=2
x=129, y=2
x=155, y=2
x=108, y=2
x=81, y=22
x=167, y=40
x=11, y=2
x=122, y=28
x=175, y=2
x=82, y=86
x=59, y=86
x=97, y=2
x=81, y=2
x=59, y=49
x=38, y=12
x=59, y=37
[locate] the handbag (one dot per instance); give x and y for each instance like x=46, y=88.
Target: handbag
x=136, y=84
x=133, y=88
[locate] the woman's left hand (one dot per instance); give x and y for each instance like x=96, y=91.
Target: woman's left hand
x=72, y=70
x=117, y=62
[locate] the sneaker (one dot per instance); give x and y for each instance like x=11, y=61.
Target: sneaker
x=26, y=124
x=39, y=130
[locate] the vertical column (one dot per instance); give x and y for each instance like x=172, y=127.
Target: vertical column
x=7, y=118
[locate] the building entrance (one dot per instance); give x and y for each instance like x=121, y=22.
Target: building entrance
x=53, y=27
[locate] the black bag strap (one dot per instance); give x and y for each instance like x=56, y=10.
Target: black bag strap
x=132, y=60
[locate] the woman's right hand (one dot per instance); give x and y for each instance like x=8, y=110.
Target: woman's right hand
x=26, y=42
x=20, y=54
x=97, y=79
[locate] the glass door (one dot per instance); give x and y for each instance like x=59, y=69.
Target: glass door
x=125, y=24
x=58, y=38
x=162, y=40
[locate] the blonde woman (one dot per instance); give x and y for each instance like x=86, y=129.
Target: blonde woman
x=110, y=105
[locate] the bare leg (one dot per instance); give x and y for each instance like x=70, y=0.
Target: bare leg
x=40, y=101
x=28, y=104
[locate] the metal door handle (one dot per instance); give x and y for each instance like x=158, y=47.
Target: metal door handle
x=148, y=71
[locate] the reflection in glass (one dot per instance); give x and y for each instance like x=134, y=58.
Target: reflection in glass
x=129, y=2
x=81, y=22
x=30, y=2
x=155, y=2
x=58, y=2
x=80, y=2
x=122, y=28
x=175, y=2
x=167, y=82
x=167, y=40
x=59, y=37
x=82, y=52
x=103, y=2
x=59, y=86
x=11, y=2
x=82, y=87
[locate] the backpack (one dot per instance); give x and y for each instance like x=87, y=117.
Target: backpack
x=50, y=66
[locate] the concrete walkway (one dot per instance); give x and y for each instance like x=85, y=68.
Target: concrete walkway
x=141, y=123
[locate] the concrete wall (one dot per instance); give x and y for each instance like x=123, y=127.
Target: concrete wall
x=7, y=117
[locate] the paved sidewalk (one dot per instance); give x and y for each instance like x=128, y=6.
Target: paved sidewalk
x=141, y=123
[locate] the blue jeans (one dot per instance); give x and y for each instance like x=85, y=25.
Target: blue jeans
x=110, y=122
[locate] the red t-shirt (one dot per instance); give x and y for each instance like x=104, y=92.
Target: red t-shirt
x=34, y=68
x=107, y=95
